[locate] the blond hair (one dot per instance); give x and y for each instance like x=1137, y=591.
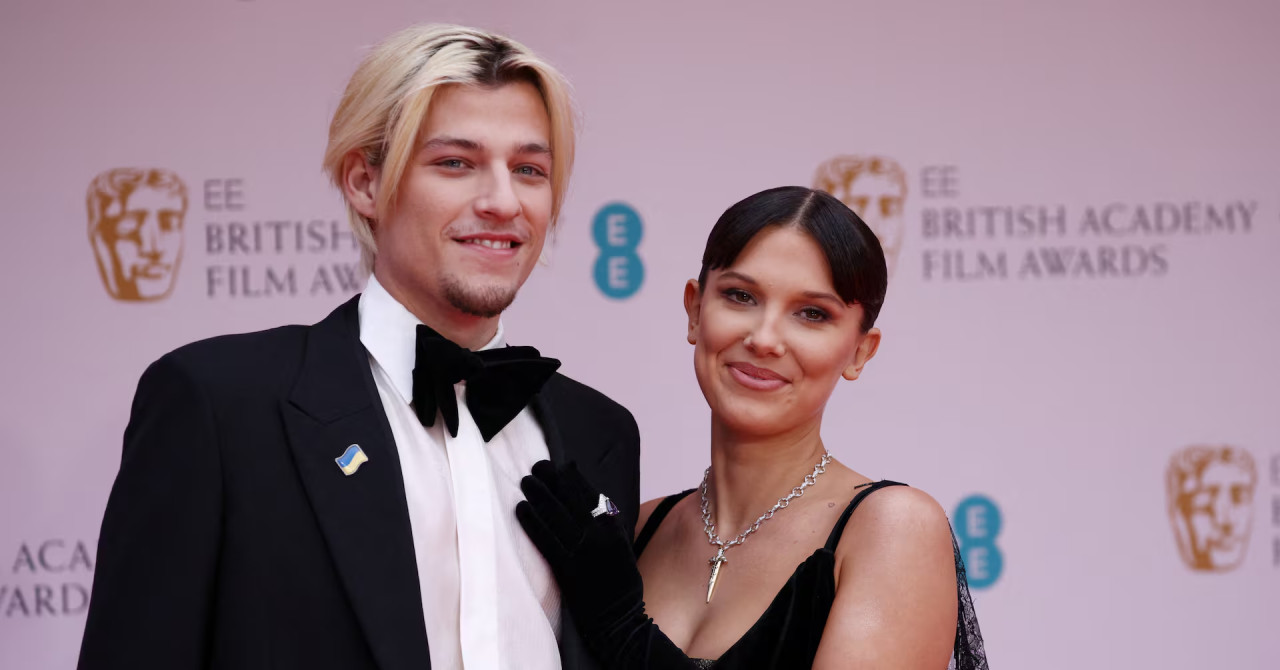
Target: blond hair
x=389, y=95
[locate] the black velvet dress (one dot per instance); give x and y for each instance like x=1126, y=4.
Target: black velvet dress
x=788, y=633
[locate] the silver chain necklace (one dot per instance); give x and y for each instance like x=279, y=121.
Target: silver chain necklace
x=723, y=546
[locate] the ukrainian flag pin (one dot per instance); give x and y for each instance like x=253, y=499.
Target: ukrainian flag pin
x=351, y=460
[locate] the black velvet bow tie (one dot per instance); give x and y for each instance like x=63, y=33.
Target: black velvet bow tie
x=500, y=382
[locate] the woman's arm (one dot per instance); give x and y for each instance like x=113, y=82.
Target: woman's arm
x=895, y=605
x=592, y=560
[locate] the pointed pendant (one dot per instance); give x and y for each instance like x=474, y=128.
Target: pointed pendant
x=715, y=573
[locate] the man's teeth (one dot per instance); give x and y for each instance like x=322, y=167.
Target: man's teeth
x=492, y=244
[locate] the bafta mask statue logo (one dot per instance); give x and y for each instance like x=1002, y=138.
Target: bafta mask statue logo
x=135, y=227
x=1211, y=505
x=875, y=188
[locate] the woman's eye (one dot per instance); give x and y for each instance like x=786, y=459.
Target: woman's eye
x=739, y=296
x=813, y=314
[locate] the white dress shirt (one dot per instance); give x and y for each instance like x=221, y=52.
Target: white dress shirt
x=488, y=597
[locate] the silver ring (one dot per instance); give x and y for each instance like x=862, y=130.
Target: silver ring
x=604, y=506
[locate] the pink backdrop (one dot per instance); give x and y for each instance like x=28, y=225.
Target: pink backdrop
x=1061, y=399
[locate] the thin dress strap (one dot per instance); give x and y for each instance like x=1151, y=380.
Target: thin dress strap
x=834, y=538
x=651, y=526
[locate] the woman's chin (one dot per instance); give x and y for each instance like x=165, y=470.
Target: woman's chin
x=748, y=422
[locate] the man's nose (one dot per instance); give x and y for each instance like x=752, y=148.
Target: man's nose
x=498, y=202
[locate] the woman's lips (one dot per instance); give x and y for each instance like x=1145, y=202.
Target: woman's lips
x=756, y=378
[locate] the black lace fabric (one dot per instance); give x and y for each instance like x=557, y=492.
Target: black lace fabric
x=968, y=653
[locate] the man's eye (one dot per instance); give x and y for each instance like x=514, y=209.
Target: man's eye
x=530, y=171
x=451, y=163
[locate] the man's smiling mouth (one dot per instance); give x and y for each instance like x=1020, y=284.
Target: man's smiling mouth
x=492, y=244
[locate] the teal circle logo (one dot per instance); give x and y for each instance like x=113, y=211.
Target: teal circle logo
x=617, y=230
x=978, y=523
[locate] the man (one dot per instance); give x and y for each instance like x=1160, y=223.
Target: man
x=135, y=227
x=342, y=495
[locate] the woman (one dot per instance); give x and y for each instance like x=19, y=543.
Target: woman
x=784, y=307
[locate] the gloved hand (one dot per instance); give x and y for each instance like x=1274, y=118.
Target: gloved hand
x=595, y=568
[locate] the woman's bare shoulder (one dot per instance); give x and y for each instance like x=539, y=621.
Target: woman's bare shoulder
x=896, y=584
x=646, y=510
x=906, y=512
x=898, y=537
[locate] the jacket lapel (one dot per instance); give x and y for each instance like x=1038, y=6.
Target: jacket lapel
x=564, y=444
x=570, y=436
x=363, y=515
x=541, y=405
x=573, y=654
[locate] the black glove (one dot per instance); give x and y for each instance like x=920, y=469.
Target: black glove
x=595, y=568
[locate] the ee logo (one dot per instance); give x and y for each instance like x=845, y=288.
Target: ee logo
x=617, y=230
x=977, y=525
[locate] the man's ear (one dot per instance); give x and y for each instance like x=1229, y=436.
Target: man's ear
x=693, y=307
x=360, y=184
x=866, y=349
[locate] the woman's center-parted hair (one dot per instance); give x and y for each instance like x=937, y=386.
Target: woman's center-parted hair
x=853, y=252
x=387, y=100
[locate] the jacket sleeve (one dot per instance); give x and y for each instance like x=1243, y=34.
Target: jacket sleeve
x=153, y=587
x=632, y=464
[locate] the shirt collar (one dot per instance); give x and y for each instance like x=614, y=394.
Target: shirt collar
x=389, y=332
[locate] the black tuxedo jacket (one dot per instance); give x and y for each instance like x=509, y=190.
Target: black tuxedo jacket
x=232, y=539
